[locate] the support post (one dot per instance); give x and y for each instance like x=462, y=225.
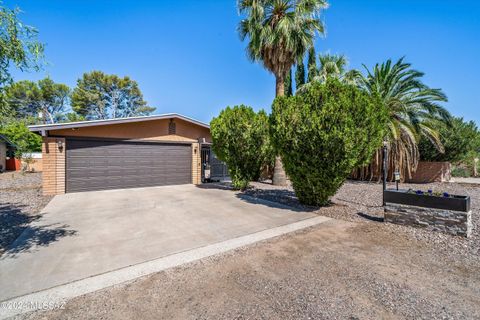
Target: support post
x=384, y=169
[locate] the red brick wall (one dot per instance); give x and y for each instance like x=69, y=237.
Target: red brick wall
x=432, y=172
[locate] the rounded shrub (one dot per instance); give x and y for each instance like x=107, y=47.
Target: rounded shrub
x=323, y=134
x=241, y=139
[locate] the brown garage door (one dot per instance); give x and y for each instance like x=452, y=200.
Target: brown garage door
x=98, y=165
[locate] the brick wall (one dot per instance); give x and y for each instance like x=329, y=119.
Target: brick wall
x=53, y=162
x=196, y=164
x=432, y=172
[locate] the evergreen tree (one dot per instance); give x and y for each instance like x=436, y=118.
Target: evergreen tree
x=28, y=99
x=288, y=84
x=102, y=96
x=312, y=64
x=300, y=74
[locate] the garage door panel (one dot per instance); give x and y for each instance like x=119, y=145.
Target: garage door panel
x=97, y=165
x=110, y=174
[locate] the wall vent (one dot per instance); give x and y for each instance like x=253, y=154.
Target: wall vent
x=172, y=127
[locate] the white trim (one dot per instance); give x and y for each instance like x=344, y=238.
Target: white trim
x=90, y=123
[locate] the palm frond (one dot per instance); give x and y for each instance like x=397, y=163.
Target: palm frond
x=412, y=106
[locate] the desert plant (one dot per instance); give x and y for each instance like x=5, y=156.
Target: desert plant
x=27, y=161
x=240, y=139
x=323, y=134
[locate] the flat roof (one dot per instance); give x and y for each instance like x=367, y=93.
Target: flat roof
x=90, y=123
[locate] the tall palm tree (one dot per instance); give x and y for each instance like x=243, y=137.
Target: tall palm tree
x=411, y=106
x=279, y=33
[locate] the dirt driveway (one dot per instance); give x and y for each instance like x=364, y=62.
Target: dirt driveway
x=358, y=269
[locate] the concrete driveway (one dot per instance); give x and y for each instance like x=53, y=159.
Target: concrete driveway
x=81, y=235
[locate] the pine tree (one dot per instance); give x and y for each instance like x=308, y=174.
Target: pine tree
x=300, y=74
x=312, y=64
x=103, y=96
x=288, y=84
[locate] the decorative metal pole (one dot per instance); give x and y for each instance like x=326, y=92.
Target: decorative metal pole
x=385, y=169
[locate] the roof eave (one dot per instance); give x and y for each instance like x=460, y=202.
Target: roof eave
x=92, y=123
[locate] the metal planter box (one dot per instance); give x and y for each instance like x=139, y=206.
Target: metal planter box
x=454, y=203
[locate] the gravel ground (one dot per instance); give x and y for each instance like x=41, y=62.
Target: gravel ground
x=354, y=269
x=337, y=270
x=21, y=200
x=362, y=202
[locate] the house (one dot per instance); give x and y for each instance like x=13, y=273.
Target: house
x=123, y=153
x=6, y=150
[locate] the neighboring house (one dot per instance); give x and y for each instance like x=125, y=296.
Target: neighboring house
x=122, y=153
x=6, y=149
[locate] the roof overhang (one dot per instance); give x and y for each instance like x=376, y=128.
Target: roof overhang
x=80, y=124
x=8, y=143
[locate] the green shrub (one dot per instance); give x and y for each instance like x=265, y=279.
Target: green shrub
x=461, y=171
x=25, y=140
x=323, y=134
x=458, y=137
x=240, y=138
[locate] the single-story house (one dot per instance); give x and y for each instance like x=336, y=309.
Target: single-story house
x=123, y=153
x=6, y=150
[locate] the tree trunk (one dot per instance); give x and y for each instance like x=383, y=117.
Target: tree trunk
x=279, y=175
x=280, y=86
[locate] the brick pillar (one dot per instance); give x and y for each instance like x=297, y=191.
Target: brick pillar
x=196, y=164
x=53, y=159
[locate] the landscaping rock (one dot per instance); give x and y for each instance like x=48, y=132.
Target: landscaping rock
x=21, y=200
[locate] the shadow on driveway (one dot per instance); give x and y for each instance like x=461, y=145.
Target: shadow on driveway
x=19, y=234
x=273, y=198
x=263, y=200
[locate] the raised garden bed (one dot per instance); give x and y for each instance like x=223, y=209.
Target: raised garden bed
x=435, y=211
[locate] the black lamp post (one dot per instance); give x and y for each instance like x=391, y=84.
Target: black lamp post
x=385, y=168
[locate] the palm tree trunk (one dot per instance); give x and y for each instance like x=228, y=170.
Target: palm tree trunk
x=279, y=175
x=280, y=86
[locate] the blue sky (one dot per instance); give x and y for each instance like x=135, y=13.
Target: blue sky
x=187, y=57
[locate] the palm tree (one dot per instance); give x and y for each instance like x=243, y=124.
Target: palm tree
x=412, y=108
x=279, y=33
x=333, y=65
